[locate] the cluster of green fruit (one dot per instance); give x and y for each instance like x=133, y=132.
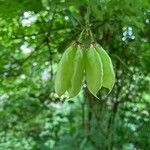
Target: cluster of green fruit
x=77, y=62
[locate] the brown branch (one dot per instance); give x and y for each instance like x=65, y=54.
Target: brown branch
x=89, y=99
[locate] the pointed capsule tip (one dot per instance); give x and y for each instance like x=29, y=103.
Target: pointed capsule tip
x=94, y=94
x=97, y=97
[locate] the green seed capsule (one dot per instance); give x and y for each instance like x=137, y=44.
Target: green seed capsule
x=109, y=75
x=94, y=71
x=77, y=77
x=65, y=71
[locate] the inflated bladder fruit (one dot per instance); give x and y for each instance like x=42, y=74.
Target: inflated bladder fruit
x=108, y=71
x=77, y=76
x=93, y=63
x=65, y=71
x=93, y=70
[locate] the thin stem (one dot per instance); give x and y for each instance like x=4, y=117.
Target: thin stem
x=81, y=34
x=88, y=16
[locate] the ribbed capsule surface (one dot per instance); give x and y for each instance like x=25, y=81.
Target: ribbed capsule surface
x=93, y=70
x=108, y=71
x=65, y=71
x=77, y=76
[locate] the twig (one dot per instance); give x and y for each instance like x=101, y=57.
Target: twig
x=22, y=62
x=48, y=40
x=122, y=62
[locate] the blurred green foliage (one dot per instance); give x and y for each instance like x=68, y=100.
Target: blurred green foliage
x=33, y=36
